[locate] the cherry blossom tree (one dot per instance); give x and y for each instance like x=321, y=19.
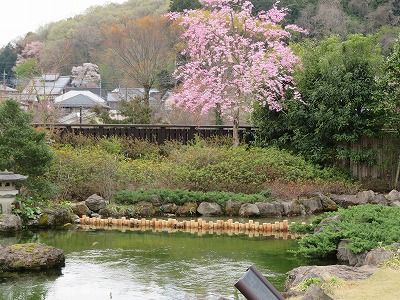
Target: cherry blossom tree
x=86, y=75
x=235, y=59
x=31, y=50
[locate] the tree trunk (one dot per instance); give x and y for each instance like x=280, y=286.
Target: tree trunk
x=236, y=139
x=146, y=96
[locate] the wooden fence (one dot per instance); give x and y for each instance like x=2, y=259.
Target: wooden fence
x=383, y=167
x=153, y=133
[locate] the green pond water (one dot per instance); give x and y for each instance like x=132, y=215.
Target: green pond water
x=146, y=265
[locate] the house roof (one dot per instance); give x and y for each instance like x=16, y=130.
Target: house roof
x=74, y=117
x=74, y=99
x=49, y=84
x=120, y=94
x=10, y=176
x=4, y=88
x=96, y=90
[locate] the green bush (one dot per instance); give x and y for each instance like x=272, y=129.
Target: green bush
x=115, y=164
x=365, y=226
x=183, y=196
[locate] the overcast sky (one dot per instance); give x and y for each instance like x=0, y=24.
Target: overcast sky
x=18, y=17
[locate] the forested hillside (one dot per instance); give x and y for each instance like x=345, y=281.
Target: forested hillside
x=85, y=38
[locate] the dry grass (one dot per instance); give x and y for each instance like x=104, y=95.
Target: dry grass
x=384, y=284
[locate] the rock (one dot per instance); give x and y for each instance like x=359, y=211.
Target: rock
x=365, y=196
x=344, y=254
x=58, y=216
x=80, y=209
x=95, y=203
x=232, y=208
x=346, y=200
x=325, y=222
x=187, y=209
x=209, y=209
x=94, y=215
x=76, y=219
x=315, y=292
x=327, y=203
x=293, y=208
x=395, y=203
x=273, y=209
x=393, y=196
x=249, y=210
x=169, y=208
x=10, y=223
x=109, y=212
x=376, y=257
x=296, y=276
x=144, y=209
x=30, y=257
x=379, y=199
x=312, y=205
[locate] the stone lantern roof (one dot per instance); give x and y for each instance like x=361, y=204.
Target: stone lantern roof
x=11, y=177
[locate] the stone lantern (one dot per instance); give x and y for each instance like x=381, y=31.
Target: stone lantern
x=8, y=191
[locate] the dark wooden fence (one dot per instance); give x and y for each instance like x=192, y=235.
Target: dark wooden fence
x=154, y=133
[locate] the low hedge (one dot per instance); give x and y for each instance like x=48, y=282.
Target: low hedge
x=180, y=197
x=365, y=226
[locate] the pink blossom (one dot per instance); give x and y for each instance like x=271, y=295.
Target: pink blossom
x=235, y=59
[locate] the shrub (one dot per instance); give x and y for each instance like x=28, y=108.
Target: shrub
x=183, y=196
x=365, y=226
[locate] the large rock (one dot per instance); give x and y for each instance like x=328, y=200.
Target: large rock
x=365, y=197
x=209, y=209
x=80, y=209
x=10, y=223
x=376, y=257
x=30, y=257
x=57, y=216
x=249, y=210
x=169, y=208
x=273, y=209
x=145, y=209
x=393, y=196
x=379, y=199
x=95, y=203
x=187, y=209
x=346, y=200
x=315, y=292
x=312, y=205
x=293, y=208
x=344, y=254
x=298, y=275
x=327, y=203
x=232, y=207
x=112, y=212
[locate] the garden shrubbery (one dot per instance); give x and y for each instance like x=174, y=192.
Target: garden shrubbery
x=365, y=226
x=106, y=166
x=180, y=197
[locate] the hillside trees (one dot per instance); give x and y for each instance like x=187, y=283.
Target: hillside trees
x=339, y=88
x=8, y=58
x=142, y=48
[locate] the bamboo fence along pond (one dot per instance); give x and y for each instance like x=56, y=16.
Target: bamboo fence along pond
x=251, y=228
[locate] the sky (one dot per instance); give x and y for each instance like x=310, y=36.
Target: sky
x=18, y=17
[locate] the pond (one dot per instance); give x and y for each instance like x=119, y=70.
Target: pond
x=147, y=265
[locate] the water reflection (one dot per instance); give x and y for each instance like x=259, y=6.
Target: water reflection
x=143, y=265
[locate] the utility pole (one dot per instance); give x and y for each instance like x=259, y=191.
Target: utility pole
x=4, y=79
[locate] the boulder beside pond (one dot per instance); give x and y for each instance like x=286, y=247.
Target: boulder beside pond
x=57, y=216
x=10, y=223
x=30, y=257
x=95, y=203
x=209, y=209
x=249, y=210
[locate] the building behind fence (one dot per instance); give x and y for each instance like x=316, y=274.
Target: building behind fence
x=382, y=168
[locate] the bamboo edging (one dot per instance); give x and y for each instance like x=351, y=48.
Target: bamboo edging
x=251, y=228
